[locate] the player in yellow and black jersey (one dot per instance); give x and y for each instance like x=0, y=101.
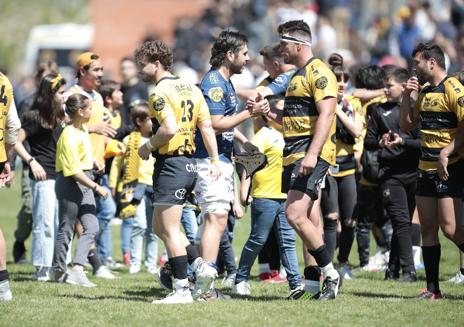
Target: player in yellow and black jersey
x=339, y=194
x=440, y=111
x=176, y=108
x=308, y=121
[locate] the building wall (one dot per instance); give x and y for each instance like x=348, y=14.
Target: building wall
x=121, y=25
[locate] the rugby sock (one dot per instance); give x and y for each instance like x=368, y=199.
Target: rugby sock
x=179, y=266
x=4, y=275
x=330, y=235
x=345, y=243
x=431, y=255
x=192, y=253
x=462, y=270
x=94, y=260
x=312, y=276
x=322, y=257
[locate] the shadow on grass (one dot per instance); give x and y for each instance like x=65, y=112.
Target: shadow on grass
x=402, y=297
x=106, y=297
x=153, y=292
x=21, y=277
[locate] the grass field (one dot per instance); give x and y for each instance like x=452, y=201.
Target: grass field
x=365, y=301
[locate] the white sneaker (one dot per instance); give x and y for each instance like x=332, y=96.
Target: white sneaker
x=229, y=281
x=206, y=275
x=134, y=269
x=242, y=288
x=457, y=279
x=345, y=272
x=5, y=292
x=78, y=277
x=105, y=273
x=176, y=297
x=42, y=274
x=152, y=270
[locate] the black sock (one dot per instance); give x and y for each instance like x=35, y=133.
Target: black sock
x=330, y=235
x=415, y=234
x=192, y=253
x=345, y=244
x=4, y=275
x=461, y=247
x=179, y=266
x=431, y=255
x=94, y=260
x=312, y=273
x=321, y=255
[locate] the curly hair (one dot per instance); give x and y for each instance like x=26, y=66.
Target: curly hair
x=226, y=41
x=299, y=27
x=153, y=51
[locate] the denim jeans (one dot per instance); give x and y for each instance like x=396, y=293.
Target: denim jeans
x=268, y=215
x=143, y=229
x=106, y=210
x=126, y=232
x=190, y=223
x=44, y=222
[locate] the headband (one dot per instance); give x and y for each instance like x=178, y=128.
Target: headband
x=293, y=39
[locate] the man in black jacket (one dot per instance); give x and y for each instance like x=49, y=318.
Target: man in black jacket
x=398, y=160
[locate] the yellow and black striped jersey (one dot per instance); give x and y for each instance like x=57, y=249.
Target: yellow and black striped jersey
x=440, y=110
x=309, y=85
x=175, y=97
x=6, y=96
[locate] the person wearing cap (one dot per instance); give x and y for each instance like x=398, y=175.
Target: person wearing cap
x=89, y=74
x=308, y=120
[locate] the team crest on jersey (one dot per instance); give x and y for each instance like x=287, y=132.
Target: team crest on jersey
x=159, y=104
x=216, y=94
x=292, y=87
x=321, y=83
x=461, y=101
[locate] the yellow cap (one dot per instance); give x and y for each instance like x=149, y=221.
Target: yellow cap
x=85, y=59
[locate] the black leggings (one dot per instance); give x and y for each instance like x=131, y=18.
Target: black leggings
x=338, y=201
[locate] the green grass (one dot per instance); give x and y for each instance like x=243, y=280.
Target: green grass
x=366, y=301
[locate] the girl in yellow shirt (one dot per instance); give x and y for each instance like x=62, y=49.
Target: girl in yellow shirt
x=75, y=192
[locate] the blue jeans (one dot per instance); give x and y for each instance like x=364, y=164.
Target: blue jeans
x=106, y=210
x=190, y=223
x=126, y=232
x=44, y=222
x=268, y=215
x=143, y=228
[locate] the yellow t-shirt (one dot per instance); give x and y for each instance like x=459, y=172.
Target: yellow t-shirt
x=441, y=110
x=175, y=97
x=74, y=151
x=99, y=112
x=145, y=167
x=267, y=182
x=309, y=85
x=6, y=95
x=345, y=152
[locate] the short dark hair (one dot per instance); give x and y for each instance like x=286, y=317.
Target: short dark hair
x=138, y=110
x=370, y=77
x=75, y=102
x=226, y=41
x=400, y=75
x=295, y=26
x=153, y=51
x=107, y=88
x=431, y=50
x=271, y=52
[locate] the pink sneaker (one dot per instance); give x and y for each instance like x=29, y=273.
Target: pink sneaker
x=276, y=278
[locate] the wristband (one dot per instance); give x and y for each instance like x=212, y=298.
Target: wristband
x=214, y=160
x=31, y=159
x=149, y=146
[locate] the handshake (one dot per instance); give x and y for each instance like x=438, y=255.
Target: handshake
x=257, y=105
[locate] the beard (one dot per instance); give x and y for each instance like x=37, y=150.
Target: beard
x=236, y=68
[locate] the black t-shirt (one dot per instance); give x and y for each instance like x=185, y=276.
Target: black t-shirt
x=42, y=142
x=131, y=93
